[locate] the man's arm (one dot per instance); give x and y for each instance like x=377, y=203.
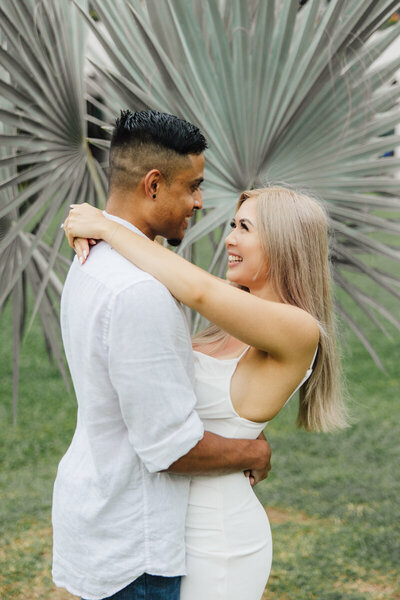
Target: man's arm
x=217, y=454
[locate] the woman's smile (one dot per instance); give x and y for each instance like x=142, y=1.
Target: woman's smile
x=234, y=260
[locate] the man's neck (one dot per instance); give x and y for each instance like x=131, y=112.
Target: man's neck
x=124, y=211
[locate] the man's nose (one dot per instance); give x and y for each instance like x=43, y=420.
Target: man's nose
x=198, y=200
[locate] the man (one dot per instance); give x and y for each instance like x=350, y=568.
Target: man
x=119, y=505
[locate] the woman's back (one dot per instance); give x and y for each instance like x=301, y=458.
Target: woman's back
x=258, y=386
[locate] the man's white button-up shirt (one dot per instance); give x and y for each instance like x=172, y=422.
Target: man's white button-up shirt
x=115, y=515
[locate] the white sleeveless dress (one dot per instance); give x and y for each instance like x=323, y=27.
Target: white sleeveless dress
x=228, y=537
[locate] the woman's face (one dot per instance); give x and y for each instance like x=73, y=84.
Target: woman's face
x=246, y=263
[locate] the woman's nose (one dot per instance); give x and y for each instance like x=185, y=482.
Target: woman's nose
x=230, y=239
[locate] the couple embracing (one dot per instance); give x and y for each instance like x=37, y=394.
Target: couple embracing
x=153, y=499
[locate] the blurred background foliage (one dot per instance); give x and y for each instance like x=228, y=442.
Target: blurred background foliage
x=300, y=93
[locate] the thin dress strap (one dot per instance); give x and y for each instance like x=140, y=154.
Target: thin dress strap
x=243, y=353
x=306, y=376
x=314, y=357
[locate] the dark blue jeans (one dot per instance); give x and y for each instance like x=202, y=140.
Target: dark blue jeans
x=149, y=587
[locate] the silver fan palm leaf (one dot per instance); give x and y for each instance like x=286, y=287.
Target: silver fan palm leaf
x=284, y=95
x=45, y=162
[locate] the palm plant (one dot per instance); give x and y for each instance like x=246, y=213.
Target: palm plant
x=46, y=158
x=284, y=94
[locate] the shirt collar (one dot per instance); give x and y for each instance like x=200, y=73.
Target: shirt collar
x=124, y=223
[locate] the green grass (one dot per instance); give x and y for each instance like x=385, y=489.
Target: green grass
x=348, y=485
x=29, y=454
x=332, y=499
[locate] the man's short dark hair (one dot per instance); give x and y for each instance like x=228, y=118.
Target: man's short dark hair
x=147, y=140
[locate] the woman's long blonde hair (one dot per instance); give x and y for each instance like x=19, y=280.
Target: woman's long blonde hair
x=293, y=230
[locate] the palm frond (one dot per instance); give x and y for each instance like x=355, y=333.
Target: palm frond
x=283, y=95
x=45, y=161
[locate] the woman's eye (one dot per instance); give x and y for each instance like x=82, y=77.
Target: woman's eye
x=232, y=224
x=244, y=226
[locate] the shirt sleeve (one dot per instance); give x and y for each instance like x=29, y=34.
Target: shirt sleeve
x=154, y=390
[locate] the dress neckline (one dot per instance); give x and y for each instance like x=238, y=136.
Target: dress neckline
x=224, y=359
x=233, y=360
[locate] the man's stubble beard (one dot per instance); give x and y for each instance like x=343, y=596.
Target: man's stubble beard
x=174, y=242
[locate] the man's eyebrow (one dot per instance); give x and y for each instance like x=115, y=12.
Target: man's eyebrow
x=198, y=180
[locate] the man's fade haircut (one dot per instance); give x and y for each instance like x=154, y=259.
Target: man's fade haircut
x=147, y=140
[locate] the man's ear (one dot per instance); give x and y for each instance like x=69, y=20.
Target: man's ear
x=151, y=183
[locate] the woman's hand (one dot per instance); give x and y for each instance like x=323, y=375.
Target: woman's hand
x=83, y=226
x=84, y=221
x=82, y=248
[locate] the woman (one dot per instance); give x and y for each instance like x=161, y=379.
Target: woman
x=264, y=346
